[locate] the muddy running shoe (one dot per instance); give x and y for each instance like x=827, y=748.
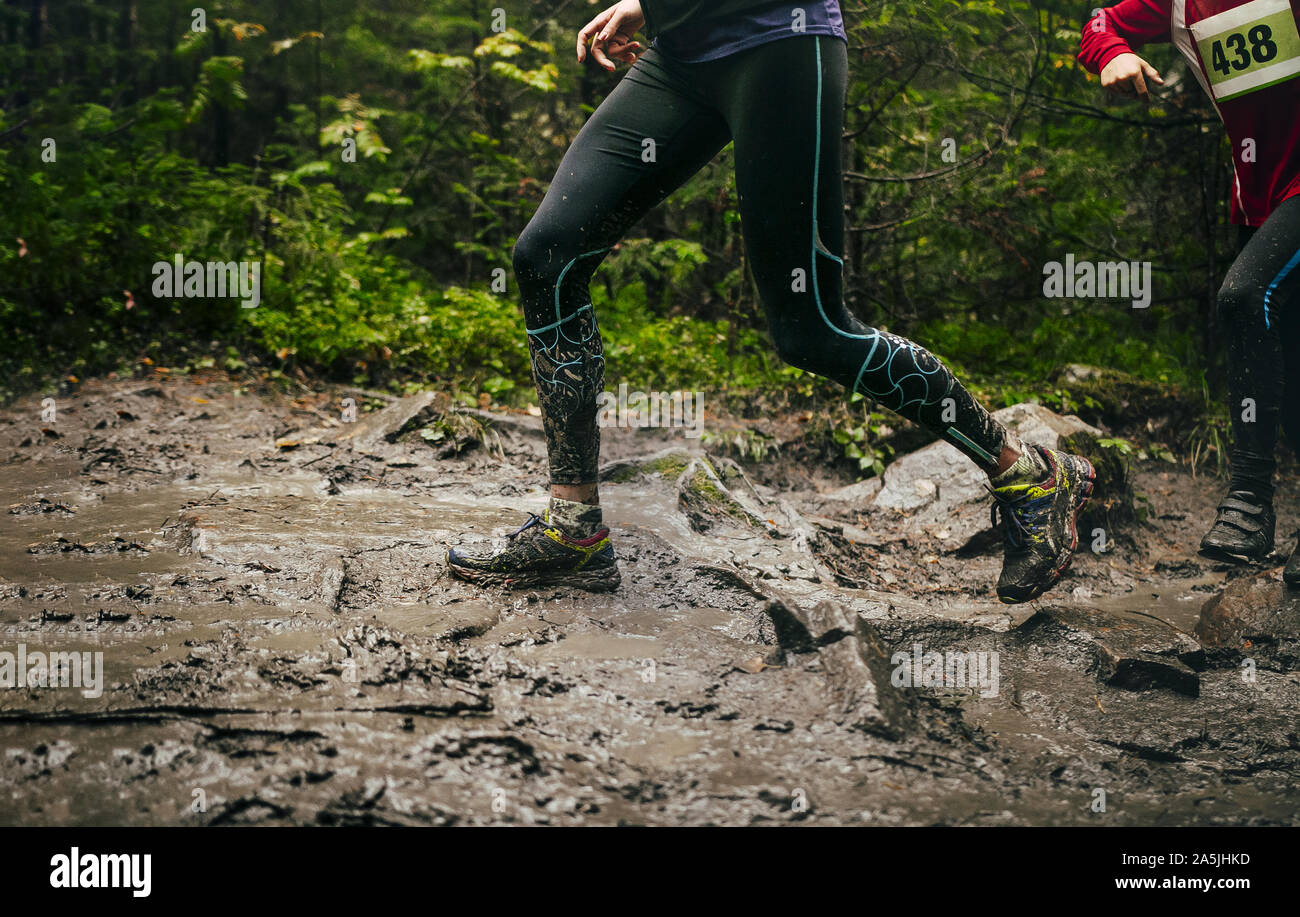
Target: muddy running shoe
x=538, y=554
x=1039, y=525
x=1243, y=530
x=1291, y=575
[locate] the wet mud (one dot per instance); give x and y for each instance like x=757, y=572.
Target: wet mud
x=282, y=643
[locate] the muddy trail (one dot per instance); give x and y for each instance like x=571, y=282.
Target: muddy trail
x=282, y=644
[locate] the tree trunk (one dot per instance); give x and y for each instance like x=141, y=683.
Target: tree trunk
x=220, y=116
x=128, y=31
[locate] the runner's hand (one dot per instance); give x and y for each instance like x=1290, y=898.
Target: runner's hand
x=1127, y=74
x=613, y=31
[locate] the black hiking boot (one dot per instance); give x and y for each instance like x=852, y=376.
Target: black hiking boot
x=1243, y=530
x=538, y=554
x=1040, y=525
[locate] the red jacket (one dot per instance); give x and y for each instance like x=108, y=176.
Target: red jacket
x=1246, y=56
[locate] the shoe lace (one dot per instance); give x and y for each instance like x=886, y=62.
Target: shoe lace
x=1020, y=518
x=533, y=519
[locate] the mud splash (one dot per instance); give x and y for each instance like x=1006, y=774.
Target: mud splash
x=282, y=644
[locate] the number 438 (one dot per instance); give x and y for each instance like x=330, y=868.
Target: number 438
x=1262, y=50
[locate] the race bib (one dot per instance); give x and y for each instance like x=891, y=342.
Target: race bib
x=1248, y=48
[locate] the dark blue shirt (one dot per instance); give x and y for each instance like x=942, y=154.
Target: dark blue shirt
x=715, y=38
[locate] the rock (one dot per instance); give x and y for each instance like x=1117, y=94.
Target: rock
x=712, y=492
x=1130, y=651
x=1079, y=372
x=667, y=464
x=943, y=490
x=1141, y=671
x=1113, y=505
x=709, y=502
x=855, y=659
x=791, y=628
x=689, y=499
x=387, y=424
x=862, y=493
x=1257, y=617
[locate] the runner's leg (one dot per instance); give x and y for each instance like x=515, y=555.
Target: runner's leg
x=651, y=133
x=1257, y=309
x=785, y=104
x=1258, y=295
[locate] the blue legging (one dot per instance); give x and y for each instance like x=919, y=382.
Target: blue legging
x=782, y=104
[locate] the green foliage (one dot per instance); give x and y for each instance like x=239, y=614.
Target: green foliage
x=454, y=430
x=356, y=122
x=751, y=446
x=861, y=437
x=1123, y=446
x=463, y=336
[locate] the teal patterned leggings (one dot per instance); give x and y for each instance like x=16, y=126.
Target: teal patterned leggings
x=782, y=104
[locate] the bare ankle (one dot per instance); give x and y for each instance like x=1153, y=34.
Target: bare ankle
x=577, y=493
x=1010, y=454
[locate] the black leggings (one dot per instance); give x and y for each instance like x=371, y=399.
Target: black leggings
x=782, y=104
x=1258, y=308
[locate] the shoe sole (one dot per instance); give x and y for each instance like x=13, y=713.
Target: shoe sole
x=1224, y=555
x=1088, y=483
x=606, y=579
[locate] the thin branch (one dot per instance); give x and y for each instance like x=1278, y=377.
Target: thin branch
x=455, y=105
x=16, y=128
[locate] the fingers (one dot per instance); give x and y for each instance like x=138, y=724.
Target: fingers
x=606, y=38
x=614, y=25
x=1114, y=76
x=620, y=47
x=598, y=52
x=584, y=37
x=1153, y=73
x=1127, y=74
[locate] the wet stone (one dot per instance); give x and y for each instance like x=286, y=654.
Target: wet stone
x=385, y=425
x=665, y=465
x=1257, y=617
x=1124, y=650
x=709, y=503
x=856, y=661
